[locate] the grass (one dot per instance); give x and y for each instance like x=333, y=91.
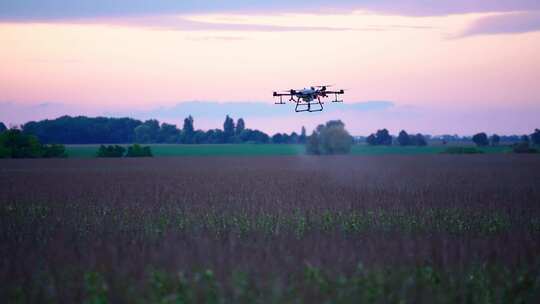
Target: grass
x=164, y=150
x=86, y=151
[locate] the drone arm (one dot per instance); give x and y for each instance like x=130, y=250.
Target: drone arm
x=335, y=92
x=282, y=94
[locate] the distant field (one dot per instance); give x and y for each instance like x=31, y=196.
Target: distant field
x=86, y=151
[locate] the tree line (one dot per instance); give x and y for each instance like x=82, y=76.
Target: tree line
x=383, y=137
x=103, y=130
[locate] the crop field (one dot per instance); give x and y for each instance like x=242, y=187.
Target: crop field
x=290, y=229
x=88, y=151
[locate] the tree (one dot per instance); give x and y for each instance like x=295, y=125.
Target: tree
x=371, y=140
x=278, y=138
x=254, y=136
x=335, y=139
x=302, y=138
x=293, y=138
x=228, y=128
x=168, y=133
x=420, y=140
x=535, y=137
x=403, y=138
x=215, y=136
x=16, y=144
x=83, y=130
x=525, y=139
x=2, y=127
x=143, y=134
x=240, y=126
x=19, y=145
x=495, y=140
x=200, y=137
x=331, y=138
x=188, y=131
x=312, y=144
x=382, y=137
x=480, y=139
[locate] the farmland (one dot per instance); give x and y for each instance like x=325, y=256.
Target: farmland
x=271, y=229
x=161, y=150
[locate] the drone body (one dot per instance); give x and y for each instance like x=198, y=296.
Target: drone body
x=309, y=99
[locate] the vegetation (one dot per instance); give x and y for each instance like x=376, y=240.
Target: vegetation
x=2, y=127
x=391, y=229
x=170, y=150
x=119, y=151
x=101, y=130
x=405, y=139
x=83, y=130
x=535, y=137
x=495, y=140
x=331, y=138
x=480, y=139
x=139, y=151
x=523, y=147
x=382, y=137
x=111, y=151
x=462, y=150
x=15, y=144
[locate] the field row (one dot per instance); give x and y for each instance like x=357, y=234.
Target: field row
x=302, y=229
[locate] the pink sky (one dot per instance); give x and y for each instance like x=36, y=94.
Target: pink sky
x=442, y=66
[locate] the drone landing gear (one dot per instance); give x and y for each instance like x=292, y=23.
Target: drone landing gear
x=336, y=98
x=309, y=106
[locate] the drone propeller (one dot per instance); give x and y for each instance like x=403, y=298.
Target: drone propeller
x=291, y=91
x=324, y=86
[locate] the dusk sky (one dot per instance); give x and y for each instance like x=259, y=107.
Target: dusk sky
x=436, y=67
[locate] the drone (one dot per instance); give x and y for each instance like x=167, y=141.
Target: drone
x=309, y=99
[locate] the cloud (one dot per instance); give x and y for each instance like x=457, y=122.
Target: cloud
x=519, y=22
x=55, y=10
x=247, y=109
x=12, y=112
x=221, y=38
x=17, y=113
x=176, y=22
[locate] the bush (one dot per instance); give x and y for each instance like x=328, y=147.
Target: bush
x=111, y=151
x=54, y=151
x=139, y=151
x=462, y=150
x=331, y=138
x=16, y=144
x=480, y=139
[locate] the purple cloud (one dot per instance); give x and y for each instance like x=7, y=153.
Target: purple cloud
x=520, y=22
x=172, y=22
x=54, y=10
